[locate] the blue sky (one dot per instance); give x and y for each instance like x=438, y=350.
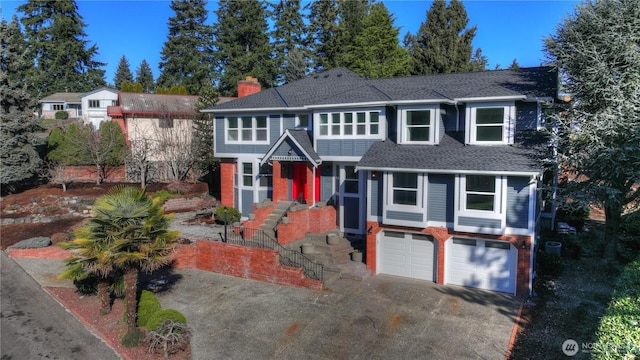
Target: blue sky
x=507, y=29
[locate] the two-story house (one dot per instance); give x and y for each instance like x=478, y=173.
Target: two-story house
x=441, y=173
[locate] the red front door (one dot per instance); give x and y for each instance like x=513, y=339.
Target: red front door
x=299, y=186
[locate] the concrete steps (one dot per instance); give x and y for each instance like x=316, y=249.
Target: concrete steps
x=334, y=252
x=271, y=221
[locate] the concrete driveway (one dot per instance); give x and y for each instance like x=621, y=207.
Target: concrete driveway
x=384, y=317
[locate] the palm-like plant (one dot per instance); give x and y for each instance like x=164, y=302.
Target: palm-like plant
x=128, y=233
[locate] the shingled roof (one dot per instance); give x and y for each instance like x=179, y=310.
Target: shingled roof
x=341, y=86
x=525, y=156
x=158, y=104
x=67, y=97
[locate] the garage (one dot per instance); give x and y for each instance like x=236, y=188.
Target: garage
x=483, y=264
x=407, y=254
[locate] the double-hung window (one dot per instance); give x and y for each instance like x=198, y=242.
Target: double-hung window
x=247, y=129
x=247, y=174
x=480, y=193
x=490, y=123
x=418, y=126
x=58, y=107
x=405, y=189
x=349, y=124
x=94, y=103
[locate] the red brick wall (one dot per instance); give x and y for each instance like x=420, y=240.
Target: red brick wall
x=241, y=261
x=312, y=220
x=248, y=87
x=280, y=181
x=261, y=214
x=88, y=173
x=227, y=171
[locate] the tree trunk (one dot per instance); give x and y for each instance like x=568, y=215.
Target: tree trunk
x=130, y=294
x=98, y=175
x=613, y=215
x=104, y=294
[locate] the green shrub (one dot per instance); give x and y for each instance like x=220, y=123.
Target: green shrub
x=232, y=215
x=161, y=196
x=157, y=319
x=619, y=331
x=147, y=306
x=549, y=265
x=62, y=115
x=132, y=339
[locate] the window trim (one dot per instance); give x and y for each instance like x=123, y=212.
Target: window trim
x=508, y=123
x=330, y=125
x=239, y=129
x=94, y=102
x=500, y=183
x=420, y=192
x=434, y=124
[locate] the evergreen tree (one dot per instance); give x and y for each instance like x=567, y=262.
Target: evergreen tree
x=203, y=133
x=187, y=55
x=288, y=41
x=144, y=77
x=443, y=42
x=323, y=34
x=350, y=16
x=376, y=50
x=18, y=155
x=514, y=65
x=596, y=51
x=242, y=42
x=479, y=62
x=55, y=35
x=123, y=73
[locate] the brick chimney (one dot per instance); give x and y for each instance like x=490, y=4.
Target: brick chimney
x=248, y=86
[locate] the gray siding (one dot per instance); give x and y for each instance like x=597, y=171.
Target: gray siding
x=326, y=181
x=449, y=117
x=264, y=194
x=391, y=113
x=440, y=203
x=343, y=147
x=247, y=202
x=518, y=202
x=286, y=146
x=479, y=222
x=289, y=121
x=526, y=116
x=405, y=216
x=221, y=145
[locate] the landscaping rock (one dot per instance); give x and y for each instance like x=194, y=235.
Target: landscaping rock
x=32, y=243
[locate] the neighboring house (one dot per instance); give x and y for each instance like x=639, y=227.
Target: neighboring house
x=157, y=127
x=64, y=101
x=441, y=173
x=94, y=105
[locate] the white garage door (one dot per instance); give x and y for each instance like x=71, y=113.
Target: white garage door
x=482, y=264
x=406, y=254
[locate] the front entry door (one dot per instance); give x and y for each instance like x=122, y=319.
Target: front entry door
x=351, y=195
x=299, y=181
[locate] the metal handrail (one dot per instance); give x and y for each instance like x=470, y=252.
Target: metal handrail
x=286, y=211
x=257, y=238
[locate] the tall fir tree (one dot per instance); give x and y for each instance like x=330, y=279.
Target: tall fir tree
x=351, y=13
x=242, y=43
x=144, y=76
x=323, y=39
x=19, y=159
x=55, y=35
x=187, y=55
x=288, y=41
x=123, y=73
x=443, y=42
x=479, y=62
x=376, y=50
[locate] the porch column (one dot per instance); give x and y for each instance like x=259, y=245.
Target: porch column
x=280, y=181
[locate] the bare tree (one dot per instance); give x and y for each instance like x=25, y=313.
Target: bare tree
x=139, y=164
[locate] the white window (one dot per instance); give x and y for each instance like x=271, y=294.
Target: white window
x=349, y=124
x=58, y=107
x=404, y=189
x=247, y=174
x=418, y=126
x=490, y=123
x=94, y=103
x=480, y=193
x=247, y=129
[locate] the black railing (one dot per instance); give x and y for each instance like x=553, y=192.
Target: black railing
x=286, y=211
x=258, y=239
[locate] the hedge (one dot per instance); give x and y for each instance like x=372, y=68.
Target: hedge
x=619, y=331
x=147, y=306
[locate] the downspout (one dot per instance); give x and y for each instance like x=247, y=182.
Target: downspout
x=455, y=103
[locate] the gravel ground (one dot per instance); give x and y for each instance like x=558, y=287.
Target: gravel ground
x=194, y=231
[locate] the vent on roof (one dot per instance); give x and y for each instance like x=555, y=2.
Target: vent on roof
x=315, y=77
x=326, y=76
x=339, y=75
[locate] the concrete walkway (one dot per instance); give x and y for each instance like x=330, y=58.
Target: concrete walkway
x=382, y=317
